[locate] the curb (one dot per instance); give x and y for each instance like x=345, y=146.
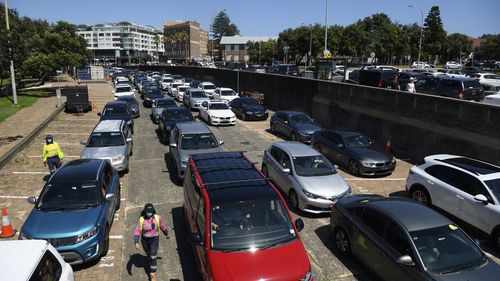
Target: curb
x=25, y=141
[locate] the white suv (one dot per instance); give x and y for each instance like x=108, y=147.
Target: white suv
x=452, y=65
x=466, y=188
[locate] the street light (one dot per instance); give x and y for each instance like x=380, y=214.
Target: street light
x=12, y=73
x=421, y=34
x=326, y=26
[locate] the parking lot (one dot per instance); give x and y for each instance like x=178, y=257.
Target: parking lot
x=150, y=181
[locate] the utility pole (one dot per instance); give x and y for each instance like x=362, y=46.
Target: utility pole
x=421, y=34
x=326, y=25
x=12, y=73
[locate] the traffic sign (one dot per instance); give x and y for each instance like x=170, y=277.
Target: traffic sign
x=372, y=54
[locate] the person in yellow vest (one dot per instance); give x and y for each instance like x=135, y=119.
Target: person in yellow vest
x=148, y=229
x=52, y=154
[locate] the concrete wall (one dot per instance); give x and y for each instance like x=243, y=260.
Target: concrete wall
x=417, y=125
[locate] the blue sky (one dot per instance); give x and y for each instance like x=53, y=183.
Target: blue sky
x=265, y=17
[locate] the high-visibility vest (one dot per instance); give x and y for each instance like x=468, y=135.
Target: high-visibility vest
x=157, y=219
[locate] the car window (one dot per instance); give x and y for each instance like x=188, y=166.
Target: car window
x=107, y=175
x=200, y=216
x=310, y=166
x=198, y=141
x=374, y=220
x=395, y=237
x=48, y=268
x=115, y=110
x=218, y=106
x=494, y=186
x=444, y=174
x=357, y=141
x=68, y=196
x=105, y=139
x=300, y=119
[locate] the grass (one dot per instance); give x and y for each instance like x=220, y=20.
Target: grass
x=25, y=98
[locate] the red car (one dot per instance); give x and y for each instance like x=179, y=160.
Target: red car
x=238, y=223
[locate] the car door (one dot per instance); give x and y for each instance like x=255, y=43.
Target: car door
x=441, y=186
x=108, y=188
x=128, y=136
x=174, y=151
x=326, y=145
x=339, y=152
x=284, y=180
x=276, y=166
x=236, y=107
x=287, y=125
x=187, y=95
x=278, y=122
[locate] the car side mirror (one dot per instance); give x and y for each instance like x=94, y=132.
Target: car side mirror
x=195, y=239
x=221, y=142
x=299, y=223
x=286, y=122
x=32, y=200
x=98, y=114
x=340, y=145
x=109, y=196
x=174, y=145
x=405, y=260
x=481, y=198
x=129, y=139
x=286, y=170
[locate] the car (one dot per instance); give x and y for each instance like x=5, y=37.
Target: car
x=165, y=82
x=492, y=99
x=247, y=108
x=420, y=65
x=452, y=65
x=194, y=83
x=257, y=68
x=169, y=117
x=75, y=210
x=224, y=94
x=454, y=73
x=466, y=188
x=193, y=98
x=238, y=224
x=458, y=88
x=117, y=110
x=133, y=104
x=121, y=80
x=188, y=138
x=159, y=105
x=208, y=88
x=376, y=77
x=179, y=92
x=32, y=259
x=146, y=87
x=151, y=95
x=173, y=87
x=178, y=79
x=123, y=90
x=217, y=113
x=491, y=88
x=110, y=140
x=399, y=239
x=187, y=81
x=310, y=181
x=486, y=77
x=295, y=125
x=287, y=69
x=354, y=151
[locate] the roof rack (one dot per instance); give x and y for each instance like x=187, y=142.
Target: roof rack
x=224, y=165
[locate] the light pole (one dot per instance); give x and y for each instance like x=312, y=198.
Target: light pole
x=326, y=25
x=12, y=73
x=421, y=34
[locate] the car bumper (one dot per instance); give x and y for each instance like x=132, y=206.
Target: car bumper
x=376, y=171
x=231, y=121
x=120, y=166
x=83, y=252
x=304, y=139
x=315, y=206
x=262, y=116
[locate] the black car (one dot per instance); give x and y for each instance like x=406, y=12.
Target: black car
x=353, y=150
x=132, y=103
x=169, y=117
x=296, y=125
x=151, y=95
x=194, y=83
x=376, y=77
x=247, y=108
x=458, y=88
x=471, y=70
x=398, y=239
x=288, y=69
x=117, y=110
x=147, y=86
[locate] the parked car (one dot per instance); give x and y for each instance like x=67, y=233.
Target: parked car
x=420, y=65
x=287, y=69
x=187, y=82
x=194, y=97
x=173, y=87
x=238, y=224
x=159, y=105
x=117, y=110
x=354, y=151
x=397, y=239
x=492, y=99
x=208, y=88
x=31, y=260
x=455, y=73
x=178, y=78
x=123, y=90
x=166, y=82
x=179, y=92
x=295, y=125
x=247, y=108
x=491, y=88
x=188, y=138
x=466, y=188
x=151, y=96
x=133, y=104
x=217, y=113
x=376, y=77
x=75, y=210
x=453, y=65
x=224, y=94
x=310, y=181
x=110, y=140
x=471, y=70
x=486, y=77
x=194, y=83
x=458, y=88
x=169, y=117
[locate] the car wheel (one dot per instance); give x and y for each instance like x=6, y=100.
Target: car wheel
x=105, y=247
x=265, y=171
x=293, y=137
x=421, y=195
x=131, y=151
x=317, y=147
x=294, y=200
x=342, y=243
x=354, y=167
x=209, y=120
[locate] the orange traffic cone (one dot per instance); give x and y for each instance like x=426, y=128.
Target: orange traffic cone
x=388, y=147
x=94, y=105
x=6, y=226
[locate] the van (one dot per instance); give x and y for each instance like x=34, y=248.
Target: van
x=288, y=69
x=376, y=77
x=32, y=260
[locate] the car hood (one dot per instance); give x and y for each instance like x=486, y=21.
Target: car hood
x=103, y=152
x=209, y=91
x=228, y=98
x=57, y=224
x=184, y=154
x=221, y=113
x=200, y=100
x=309, y=128
x=287, y=262
x=486, y=272
x=325, y=186
x=134, y=107
x=371, y=154
x=254, y=108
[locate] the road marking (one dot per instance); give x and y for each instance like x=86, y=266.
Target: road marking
x=116, y=237
x=362, y=179
x=12, y=197
x=106, y=265
x=30, y=173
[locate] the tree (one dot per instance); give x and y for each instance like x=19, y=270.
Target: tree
x=489, y=50
x=434, y=34
x=222, y=26
x=262, y=52
x=457, y=46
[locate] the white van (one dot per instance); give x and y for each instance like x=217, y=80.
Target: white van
x=25, y=260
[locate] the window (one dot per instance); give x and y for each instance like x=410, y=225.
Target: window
x=242, y=47
x=374, y=220
x=276, y=153
x=232, y=47
x=200, y=216
x=444, y=174
x=49, y=268
x=395, y=237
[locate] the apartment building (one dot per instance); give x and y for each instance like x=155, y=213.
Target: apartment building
x=185, y=40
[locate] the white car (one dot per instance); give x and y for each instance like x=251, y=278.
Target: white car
x=166, y=75
x=173, y=86
x=123, y=90
x=420, y=65
x=491, y=88
x=208, y=88
x=492, y=99
x=467, y=189
x=165, y=83
x=217, y=113
x=486, y=77
x=120, y=80
x=453, y=65
x=179, y=92
x=224, y=94
x=455, y=73
x=25, y=260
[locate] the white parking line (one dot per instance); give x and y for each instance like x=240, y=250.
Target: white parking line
x=116, y=237
x=384, y=179
x=12, y=197
x=30, y=173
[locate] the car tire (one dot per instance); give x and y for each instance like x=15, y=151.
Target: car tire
x=317, y=147
x=342, y=242
x=354, y=167
x=294, y=200
x=265, y=171
x=421, y=195
x=105, y=246
x=131, y=151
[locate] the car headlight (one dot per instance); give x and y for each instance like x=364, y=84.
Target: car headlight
x=24, y=236
x=86, y=235
x=249, y=112
x=303, y=133
x=117, y=159
x=307, y=277
x=367, y=164
x=214, y=117
x=393, y=160
x=310, y=195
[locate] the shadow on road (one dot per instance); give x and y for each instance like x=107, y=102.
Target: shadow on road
x=172, y=170
x=138, y=261
x=184, y=249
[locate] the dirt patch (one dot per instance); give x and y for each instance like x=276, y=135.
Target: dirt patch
x=9, y=139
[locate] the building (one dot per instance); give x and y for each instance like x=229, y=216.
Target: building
x=123, y=42
x=476, y=42
x=234, y=48
x=185, y=40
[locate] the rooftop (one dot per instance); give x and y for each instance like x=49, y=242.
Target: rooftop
x=237, y=39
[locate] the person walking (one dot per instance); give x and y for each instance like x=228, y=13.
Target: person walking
x=52, y=154
x=410, y=87
x=148, y=229
x=395, y=83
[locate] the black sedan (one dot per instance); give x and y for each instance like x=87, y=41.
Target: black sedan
x=117, y=110
x=295, y=125
x=247, y=108
x=151, y=95
x=132, y=103
x=398, y=239
x=355, y=151
x=169, y=117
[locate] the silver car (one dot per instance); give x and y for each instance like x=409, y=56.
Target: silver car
x=191, y=138
x=158, y=106
x=306, y=176
x=193, y=98
x=110, y=140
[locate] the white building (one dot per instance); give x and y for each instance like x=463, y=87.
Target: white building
x=123, y=41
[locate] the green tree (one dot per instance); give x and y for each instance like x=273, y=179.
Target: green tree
x=457, y=46
x=222, y=26
x=434, y=34
x=489, y=50
x=262, y=52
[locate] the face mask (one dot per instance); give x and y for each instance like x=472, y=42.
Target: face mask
x=148, y=214
x=49, y=141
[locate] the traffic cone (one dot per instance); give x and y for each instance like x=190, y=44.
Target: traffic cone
x=94, y=105
x=6, y=226
x=388, y=147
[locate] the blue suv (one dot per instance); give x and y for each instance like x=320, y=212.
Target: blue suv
x=75, y=210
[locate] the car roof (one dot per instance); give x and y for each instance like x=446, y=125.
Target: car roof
x=225, y=89
x=78, y=170
x=195, y=90
x=116, y=104
x=108, y=126
x=20, y=257
x=344, y=133
x=193, y=128
x=123, y=86
x=296, y=149
x=207, y=83
x=290, y=112
x=481, y=169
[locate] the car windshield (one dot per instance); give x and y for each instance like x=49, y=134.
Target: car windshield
x=115, y=111
x=209, y=87
x=227, y=93
x=68, y=196
x=105, y=139
x=312, y=166
x=218, y=106
x=177, y=77
x=165, y=103
x=300, y=119
x=472, y=84
x=357, y=141
x=198, y=141
x=198, y=94
x=250, y=225
x=181, y=115
x=168, y=80
x=128, y=99
x=494, y=186
x=155, y=93
x=182, y=89
x=249, y=102
x=446, y=249
x=123, y=89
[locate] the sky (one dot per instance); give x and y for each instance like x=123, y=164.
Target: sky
x=265, y=17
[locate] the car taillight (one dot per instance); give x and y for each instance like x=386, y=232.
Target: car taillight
x=380, y=83
x=461, y=95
